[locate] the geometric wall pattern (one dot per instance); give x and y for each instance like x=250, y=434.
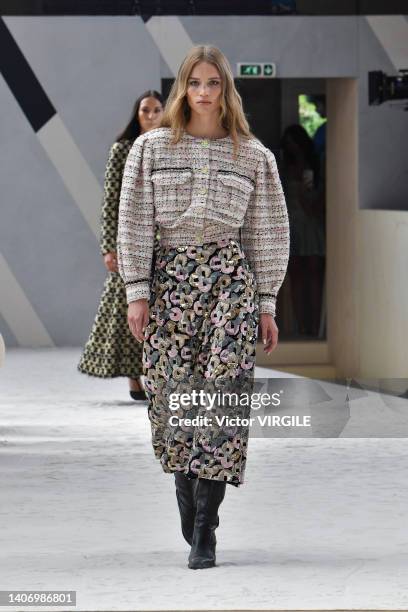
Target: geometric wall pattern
x=67, y=87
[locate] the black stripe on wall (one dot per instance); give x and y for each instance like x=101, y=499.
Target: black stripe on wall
x=149, y=8
x=22, y=81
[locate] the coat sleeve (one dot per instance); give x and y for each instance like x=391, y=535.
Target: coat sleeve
x=136, y=227
x=111, y=193
x=265, y=232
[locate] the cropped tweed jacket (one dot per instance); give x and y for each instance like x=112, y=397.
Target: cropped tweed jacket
x=196, y=192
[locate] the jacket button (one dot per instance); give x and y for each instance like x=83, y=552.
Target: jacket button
x=204, y=190
x=205, y=169
x=204, y=143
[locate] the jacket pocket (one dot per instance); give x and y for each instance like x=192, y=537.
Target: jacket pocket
x=233, y=194
x=172, y=193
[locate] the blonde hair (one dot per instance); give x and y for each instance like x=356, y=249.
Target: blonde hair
x=177, y=111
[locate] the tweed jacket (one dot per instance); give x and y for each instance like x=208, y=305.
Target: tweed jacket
x=196, y=192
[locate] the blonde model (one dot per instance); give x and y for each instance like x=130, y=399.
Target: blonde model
x=215, y=193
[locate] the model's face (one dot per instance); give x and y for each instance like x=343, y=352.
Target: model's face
x=204, y=88
x=150, y=114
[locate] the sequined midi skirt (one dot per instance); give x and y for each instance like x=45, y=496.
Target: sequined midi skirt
x=199, y=359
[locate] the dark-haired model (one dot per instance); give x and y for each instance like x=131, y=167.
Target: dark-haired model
x=111, y=350
x=215, y=192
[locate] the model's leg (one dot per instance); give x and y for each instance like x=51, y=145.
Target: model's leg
x=169, y=352
x=226, y=367
x=210, y=494
x=226, y=364
x=136, y=389
x=186, y=493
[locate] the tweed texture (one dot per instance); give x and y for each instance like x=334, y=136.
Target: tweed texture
x=197, y=193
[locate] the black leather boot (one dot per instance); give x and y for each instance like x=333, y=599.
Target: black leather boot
x=185, y=493
x=210, y=494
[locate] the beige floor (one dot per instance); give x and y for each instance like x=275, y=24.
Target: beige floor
x=320, y=524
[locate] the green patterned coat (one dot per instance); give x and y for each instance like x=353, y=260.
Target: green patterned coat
x=111, y=350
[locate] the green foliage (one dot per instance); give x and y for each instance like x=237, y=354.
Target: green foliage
x=309, y=118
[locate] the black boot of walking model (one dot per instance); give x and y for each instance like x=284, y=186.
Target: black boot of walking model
x=185, y=493
x=210, y=494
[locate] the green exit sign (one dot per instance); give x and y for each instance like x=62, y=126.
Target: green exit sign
x=257, y=69
x=246, y=70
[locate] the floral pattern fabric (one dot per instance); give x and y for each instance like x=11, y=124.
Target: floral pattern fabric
x=201, y=335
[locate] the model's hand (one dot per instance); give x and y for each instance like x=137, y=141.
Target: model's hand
x=138, y=318
x=269, y=332
x=111, y=262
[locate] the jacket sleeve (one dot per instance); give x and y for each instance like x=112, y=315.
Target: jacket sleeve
x=265, y=232
x=136, y=222
x=111, y=193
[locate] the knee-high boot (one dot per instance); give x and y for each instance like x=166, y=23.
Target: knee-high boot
x=210, y=494
x=185, y=493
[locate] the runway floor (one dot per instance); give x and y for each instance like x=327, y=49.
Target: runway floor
x=318, y=524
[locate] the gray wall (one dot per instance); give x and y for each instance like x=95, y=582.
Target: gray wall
x=92, y=69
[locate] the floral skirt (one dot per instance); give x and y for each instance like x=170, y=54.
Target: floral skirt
x=201, y=341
